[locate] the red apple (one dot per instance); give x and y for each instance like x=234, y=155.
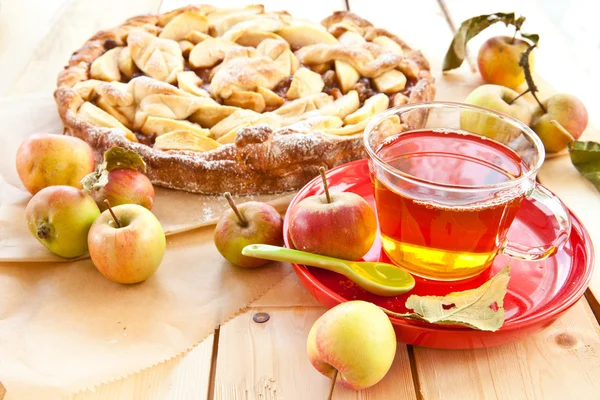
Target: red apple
x=125, y=186
x=340, y=225
x=252, y=222
x=357, y=340
x=46, y=160
x=60, y=217
x=129, y=246
x=498, y=61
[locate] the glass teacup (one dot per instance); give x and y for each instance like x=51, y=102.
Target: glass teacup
x=448, y=180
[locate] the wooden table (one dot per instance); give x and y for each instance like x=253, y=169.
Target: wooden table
x=246, y=360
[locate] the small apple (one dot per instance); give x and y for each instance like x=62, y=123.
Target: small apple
x=60, y=217
x=568, y=111
x=353, y=342
x=127, y=243
x=45, y=159
x=252, y=222
x=498, y=61
x=340, y=225
x=497, y=98
x=125, y=186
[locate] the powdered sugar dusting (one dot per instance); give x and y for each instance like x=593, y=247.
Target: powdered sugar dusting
x=280, y=160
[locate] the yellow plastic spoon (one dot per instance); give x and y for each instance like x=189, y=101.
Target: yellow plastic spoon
x=378, y=278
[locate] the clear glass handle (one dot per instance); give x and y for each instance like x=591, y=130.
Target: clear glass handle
x=561, y=214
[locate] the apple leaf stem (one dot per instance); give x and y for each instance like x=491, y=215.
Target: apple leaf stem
x=335, y=374
x=235, y=209
x=325, y=185
x=112, y=213
x=531, y=87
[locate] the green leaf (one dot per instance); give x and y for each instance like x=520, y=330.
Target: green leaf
x=481, y=308
x=532, y=37
x=118, y=157
x=472, y=27
x=585, y=156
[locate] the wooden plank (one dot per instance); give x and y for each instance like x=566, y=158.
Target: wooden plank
x=508, y=371
x=558, y=174
x=561, y=362
x=15, y=54
x=78, y=20
x=558, y=59
x=184, y=377
x=287, y=293
x=268, y=361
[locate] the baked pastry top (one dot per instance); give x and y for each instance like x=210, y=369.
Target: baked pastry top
x=238, y=100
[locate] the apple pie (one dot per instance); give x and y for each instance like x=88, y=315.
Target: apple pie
x=238, y=100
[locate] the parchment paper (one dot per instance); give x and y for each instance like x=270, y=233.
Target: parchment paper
x=64, y=327
x=177, y=211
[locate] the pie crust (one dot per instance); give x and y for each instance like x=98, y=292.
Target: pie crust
x=211, y=154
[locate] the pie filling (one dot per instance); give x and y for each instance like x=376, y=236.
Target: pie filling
x=193, y=79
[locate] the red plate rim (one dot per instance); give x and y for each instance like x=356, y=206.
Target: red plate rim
x=534, y=318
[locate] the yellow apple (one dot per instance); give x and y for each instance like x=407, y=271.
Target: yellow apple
x=569, y=112
x=497, y=98
x=60, y=217
x=355, y=338
x=46, y=160
x=498, y=61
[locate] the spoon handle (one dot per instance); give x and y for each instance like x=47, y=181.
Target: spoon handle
x=276, y=253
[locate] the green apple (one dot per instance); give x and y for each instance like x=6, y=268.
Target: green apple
x=357, y=340
x=568, y=111
x=129, y=246
x=498, y=61
x=60, y=217
x=500, y=99
x=46, y=160
x=252, y=222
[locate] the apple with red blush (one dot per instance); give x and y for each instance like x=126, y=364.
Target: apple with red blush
x=120, y=180
x=340, y=225
x=45, y=159
x=126, y=243
x=252, y=222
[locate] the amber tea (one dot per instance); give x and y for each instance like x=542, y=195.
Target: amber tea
x=450, y=234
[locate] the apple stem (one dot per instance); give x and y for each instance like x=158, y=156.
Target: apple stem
x=325, y=185
x=235, y=209
x=335, y=374
x=531, y=87
x=515, y=35
x=110, y=210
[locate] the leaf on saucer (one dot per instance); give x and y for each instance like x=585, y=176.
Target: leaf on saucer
x=585, y=156
x=481, y=308
x=118, y=157
x=472, y=27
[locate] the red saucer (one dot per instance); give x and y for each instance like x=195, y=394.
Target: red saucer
x=538, y=291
